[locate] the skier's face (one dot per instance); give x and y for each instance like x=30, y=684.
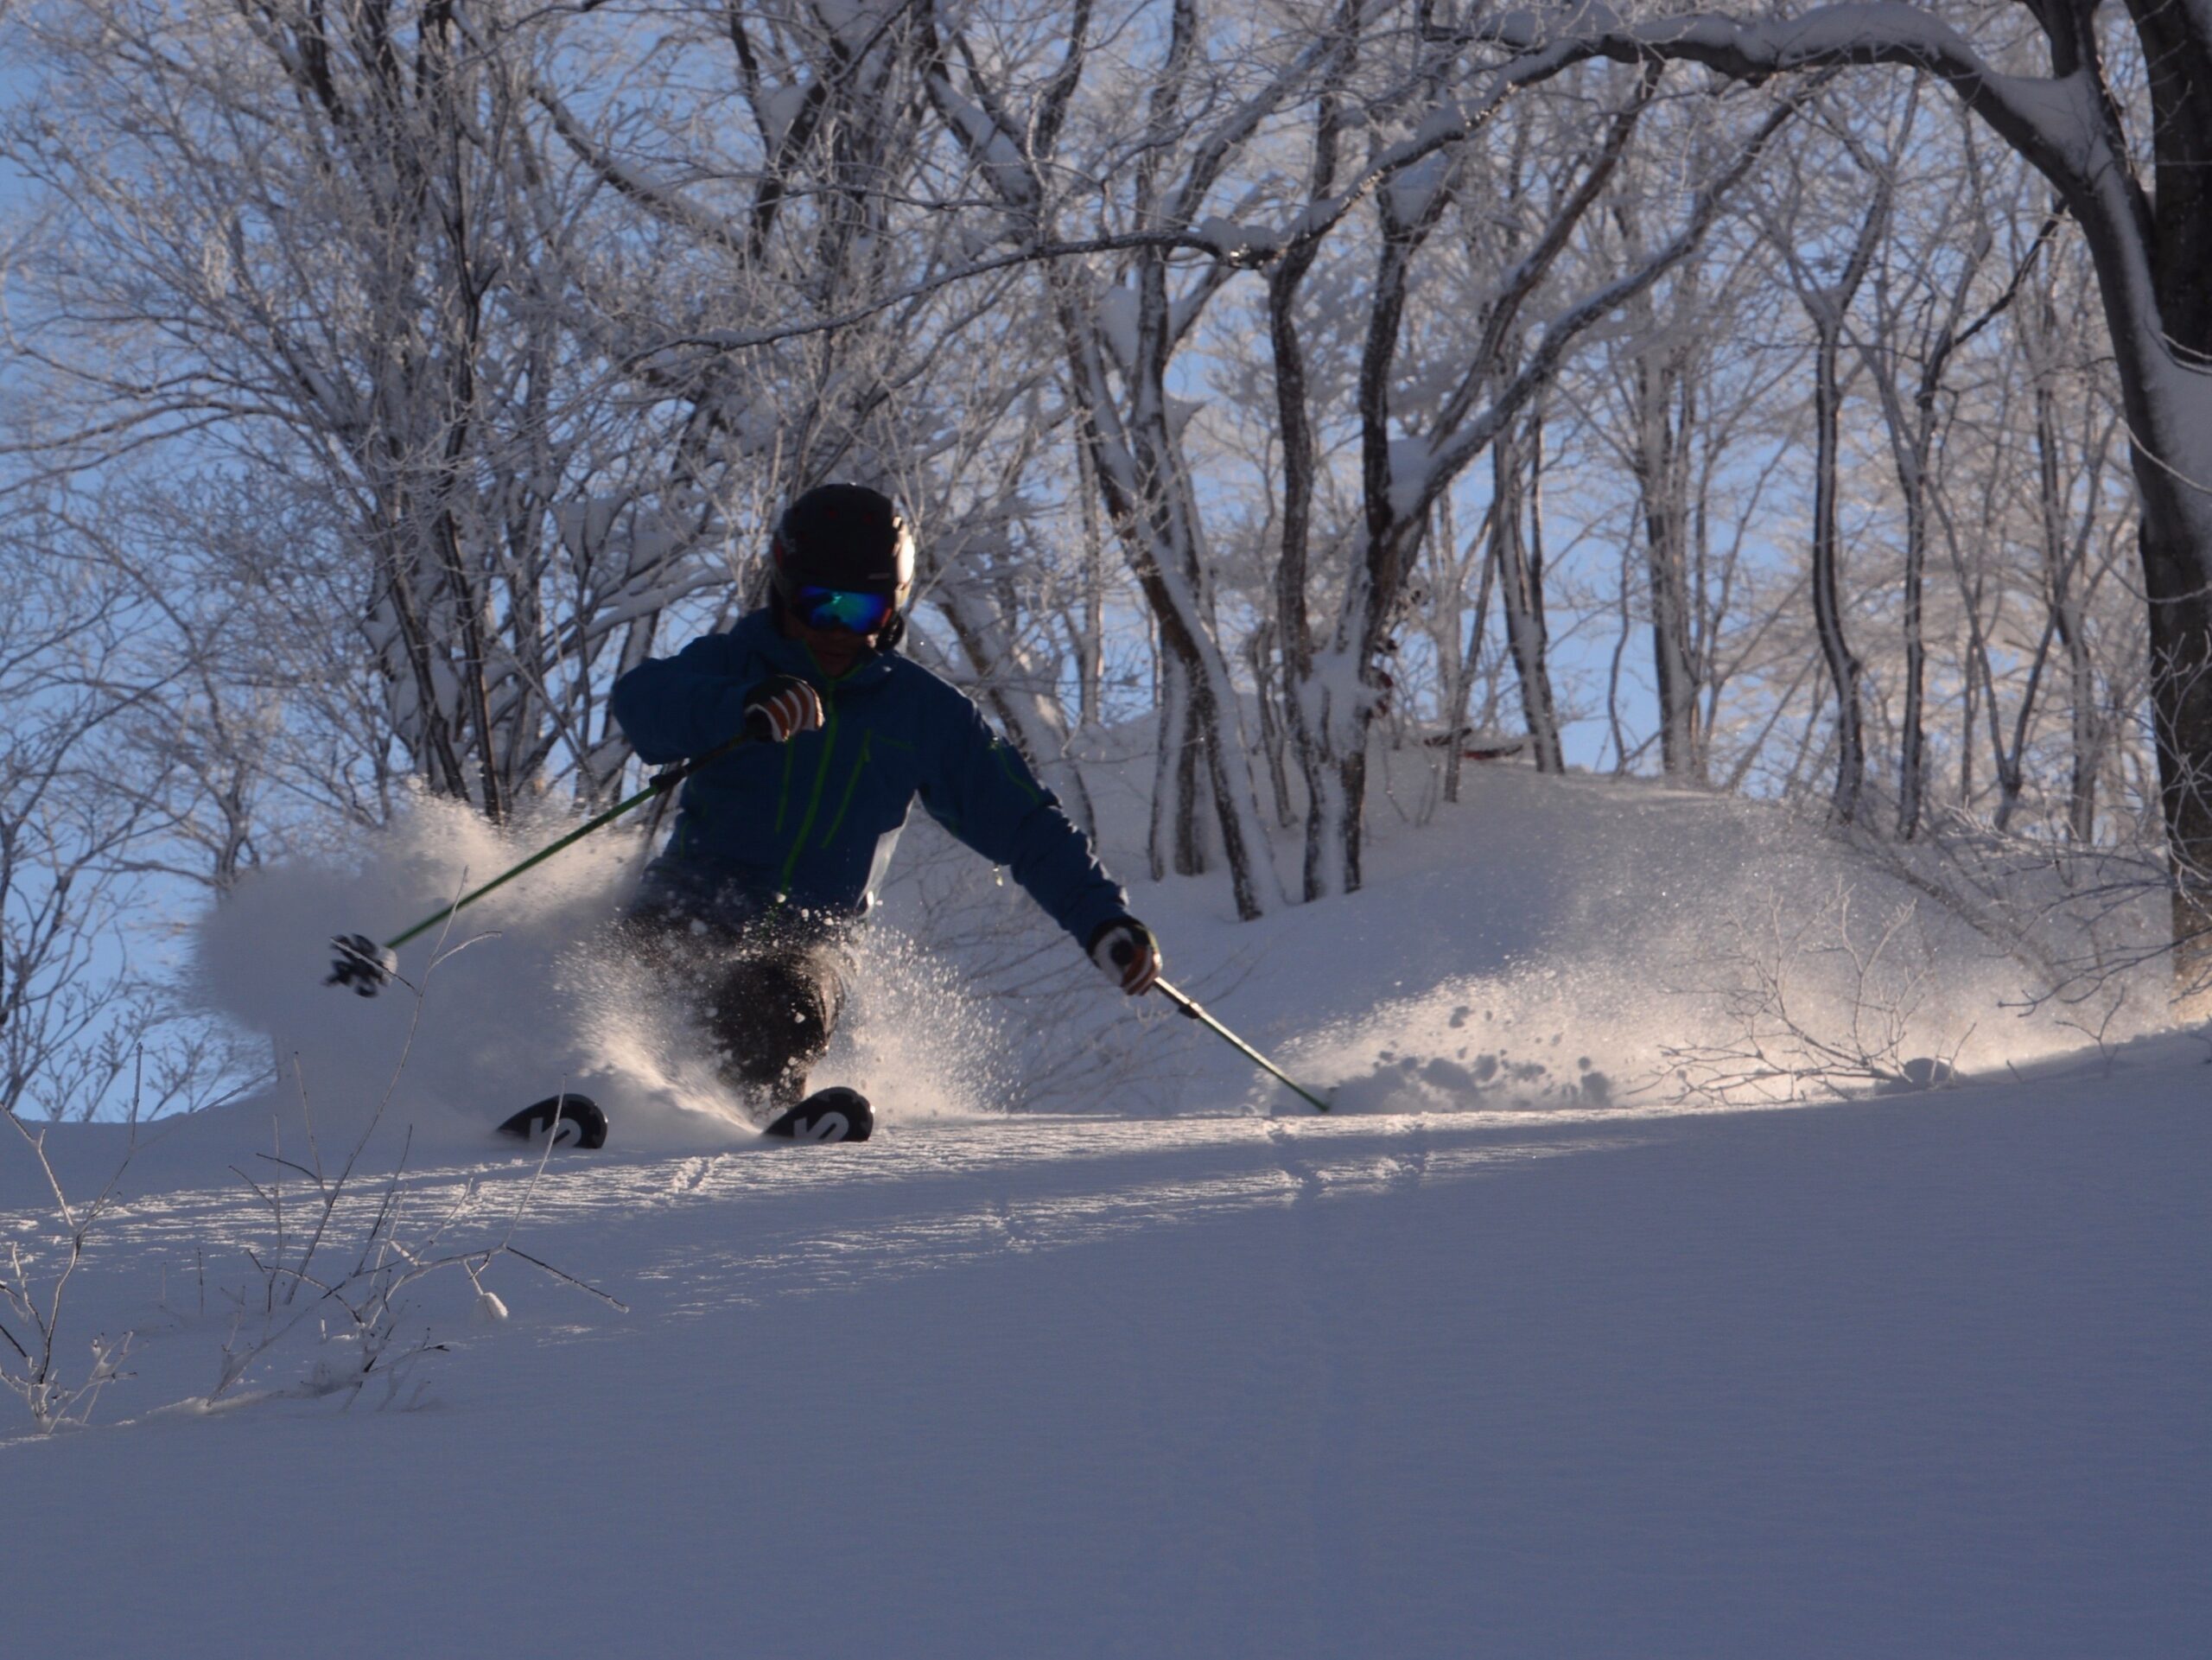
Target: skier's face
x=835, y=649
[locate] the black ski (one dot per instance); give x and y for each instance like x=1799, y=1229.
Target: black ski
x=573, y=1121
x=833, y=1114
x=577, y=1120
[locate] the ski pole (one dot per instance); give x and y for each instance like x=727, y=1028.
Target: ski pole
x=365, y=965
x=1190, y=1006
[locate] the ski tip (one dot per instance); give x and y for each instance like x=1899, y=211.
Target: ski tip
x=831, y=1114
x=572, y=1120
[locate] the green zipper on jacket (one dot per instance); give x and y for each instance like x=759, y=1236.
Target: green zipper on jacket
x=814, y=799
x=853, y=779
x=852, y=783
x=783, y=789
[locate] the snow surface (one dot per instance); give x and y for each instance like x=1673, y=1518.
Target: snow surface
x=1504, y=1358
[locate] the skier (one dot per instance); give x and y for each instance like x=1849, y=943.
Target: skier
x=750, y=910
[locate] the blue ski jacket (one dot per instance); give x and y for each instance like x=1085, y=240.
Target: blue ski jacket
x=812, y=822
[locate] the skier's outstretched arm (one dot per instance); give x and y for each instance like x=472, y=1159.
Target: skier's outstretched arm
x=984, y=793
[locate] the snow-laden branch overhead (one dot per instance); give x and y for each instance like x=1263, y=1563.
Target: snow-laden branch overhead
x=2054, y=121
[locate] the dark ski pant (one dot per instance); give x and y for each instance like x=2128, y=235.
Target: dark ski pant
x=765, y=990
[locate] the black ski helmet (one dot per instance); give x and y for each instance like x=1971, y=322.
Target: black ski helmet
x=843, y=536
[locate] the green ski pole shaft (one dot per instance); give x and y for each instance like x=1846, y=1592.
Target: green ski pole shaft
x=1190, y=1006
x=662, y=783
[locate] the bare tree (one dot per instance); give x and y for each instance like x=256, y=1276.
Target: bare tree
x=2134, y=167
x=326, y=252
x=1826, y=288
x=1517, y=554
x=1414, y=449
x=1920, y=322
x=78, y=1019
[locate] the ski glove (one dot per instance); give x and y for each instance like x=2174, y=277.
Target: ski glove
x=1125, y=949
x=780, y=707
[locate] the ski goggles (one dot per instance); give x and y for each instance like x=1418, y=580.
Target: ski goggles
x=855, y=610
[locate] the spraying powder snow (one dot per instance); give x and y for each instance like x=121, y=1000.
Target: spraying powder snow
x=525, y=993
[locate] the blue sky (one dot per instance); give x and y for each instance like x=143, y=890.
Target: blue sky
x=15, y=85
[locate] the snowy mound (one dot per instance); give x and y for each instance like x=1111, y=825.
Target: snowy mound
x=1531, y=1346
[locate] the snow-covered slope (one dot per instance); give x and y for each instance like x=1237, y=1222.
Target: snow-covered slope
x=1523, y=1353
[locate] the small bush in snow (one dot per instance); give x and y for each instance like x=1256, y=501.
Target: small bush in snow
x=30, y=1363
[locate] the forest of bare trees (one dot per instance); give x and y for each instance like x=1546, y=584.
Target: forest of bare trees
x=1815, y=405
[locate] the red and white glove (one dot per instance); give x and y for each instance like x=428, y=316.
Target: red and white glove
x=780, y=707
x=1125, y=949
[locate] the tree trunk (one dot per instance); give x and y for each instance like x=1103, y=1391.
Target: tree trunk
x=1912, y=748
x=1521, y=585
x=2061, y=577
x=1170, y=807
x=1829, y=308
x=2181, y=701
x=1091, y=640
x=1827, y=588
x=1660, y=469
x=1463, y=685
x=1260, y=652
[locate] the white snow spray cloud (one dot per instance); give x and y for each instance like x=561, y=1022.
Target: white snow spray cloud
x=526, y=992
x=917, y=1040
x=1669, y=948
